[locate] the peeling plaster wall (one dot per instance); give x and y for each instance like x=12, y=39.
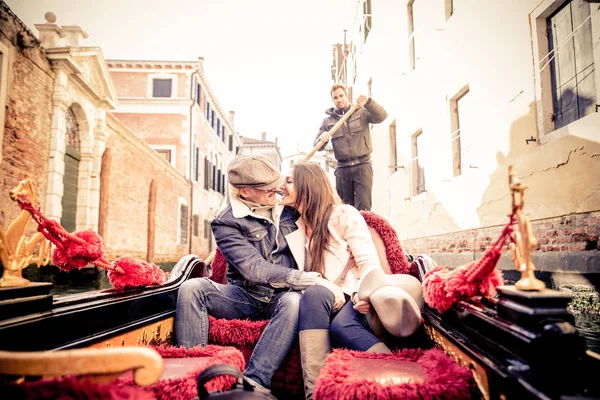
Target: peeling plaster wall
x=487, y=47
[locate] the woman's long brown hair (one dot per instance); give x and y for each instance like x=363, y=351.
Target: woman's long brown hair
x=316, y=198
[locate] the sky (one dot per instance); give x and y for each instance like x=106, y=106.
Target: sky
x=268, y=60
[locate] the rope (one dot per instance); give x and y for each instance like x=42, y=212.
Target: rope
x=56, y=234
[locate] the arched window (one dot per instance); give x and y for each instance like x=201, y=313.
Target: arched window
x=70, y=178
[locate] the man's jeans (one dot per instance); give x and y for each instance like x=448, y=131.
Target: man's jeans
x=200, y=297
x=355, y=184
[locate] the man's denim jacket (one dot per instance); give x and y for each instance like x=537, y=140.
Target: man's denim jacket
x=259, y=257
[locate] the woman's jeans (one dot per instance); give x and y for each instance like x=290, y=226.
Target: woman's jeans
x=348, y=328
x=197, y=298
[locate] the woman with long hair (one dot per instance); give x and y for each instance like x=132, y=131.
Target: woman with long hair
x=339, y=247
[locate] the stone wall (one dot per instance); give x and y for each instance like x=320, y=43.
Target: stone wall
x=28, y=104
x=26, y=147
x=567, y=243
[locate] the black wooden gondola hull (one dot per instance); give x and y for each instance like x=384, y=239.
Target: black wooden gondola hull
x=519, y=359
x=89, y=318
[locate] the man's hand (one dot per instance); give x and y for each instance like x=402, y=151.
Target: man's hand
x=325, y=137
x=362, y=100
x=338, y=294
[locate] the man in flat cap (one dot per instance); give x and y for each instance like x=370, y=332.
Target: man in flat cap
x=263, y=276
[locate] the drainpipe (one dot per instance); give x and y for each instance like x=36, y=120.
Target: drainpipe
x=191, y=160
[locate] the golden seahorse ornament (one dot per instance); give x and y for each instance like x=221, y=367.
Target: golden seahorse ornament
x=17, y=251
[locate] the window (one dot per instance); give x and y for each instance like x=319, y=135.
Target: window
x=183, y=224
x=162, y=87
x=412, y=59
x=206, y=228
x=393, y=148
x=416, y=165
x=197, y=164
x=196, y=222
x=208, y=111
x=198, y=93
x=218, y=127
x=207, y=169
x=230, y=142
x=166, y=154
x=219, y=181
x=457, y=136
x=449, y=8
x=213, y=185
x=367, y=23
x=212, y=118
x=571, y=61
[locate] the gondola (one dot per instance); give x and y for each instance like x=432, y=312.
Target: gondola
x=518, y=345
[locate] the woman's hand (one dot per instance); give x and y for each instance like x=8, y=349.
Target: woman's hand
x=339, y=297
x=363, y=307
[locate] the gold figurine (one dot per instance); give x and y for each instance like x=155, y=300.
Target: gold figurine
x=17, y=251
x=523, y=239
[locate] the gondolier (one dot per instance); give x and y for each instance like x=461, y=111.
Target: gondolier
x=351, y=145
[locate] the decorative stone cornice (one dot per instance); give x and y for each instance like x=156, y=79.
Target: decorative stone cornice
x=68, y=58
x=213, y=99
x=144, y=65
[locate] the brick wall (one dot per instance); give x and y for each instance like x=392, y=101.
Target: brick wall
x=130, y=84
x=159, y=128
x=576, y=232
x=133, y=167
x=26, y=141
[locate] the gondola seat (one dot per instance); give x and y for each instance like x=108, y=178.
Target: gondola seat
x=182, y=367
x=163, y=372
x=244, y=334
x=406, y=374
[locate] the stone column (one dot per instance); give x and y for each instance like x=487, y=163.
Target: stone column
x=56, y=162
x=99, y=135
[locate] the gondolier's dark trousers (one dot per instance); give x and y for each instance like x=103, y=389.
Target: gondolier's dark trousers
x=354, y=184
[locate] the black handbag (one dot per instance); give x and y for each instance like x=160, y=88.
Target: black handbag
x=246, y=392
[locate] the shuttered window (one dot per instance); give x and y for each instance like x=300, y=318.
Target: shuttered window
x=572, y=67
x=162, y=87
x=206, y=173
x=183, y=224
x=196, y=222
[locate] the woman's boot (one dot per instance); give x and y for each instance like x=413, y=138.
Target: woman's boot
x=315, y=345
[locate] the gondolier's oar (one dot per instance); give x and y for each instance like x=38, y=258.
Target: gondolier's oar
x=333, y=130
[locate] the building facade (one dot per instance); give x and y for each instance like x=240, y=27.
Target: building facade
x=91, y=171
x=172, y=108
x=263, y=146
x=325, y=160
x=472, y=87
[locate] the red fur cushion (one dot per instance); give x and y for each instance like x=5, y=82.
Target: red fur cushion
x=184, y=387
x=443, y=378
x=393, y=250
x=71, y=388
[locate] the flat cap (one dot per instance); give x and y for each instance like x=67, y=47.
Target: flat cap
x=253, y=171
